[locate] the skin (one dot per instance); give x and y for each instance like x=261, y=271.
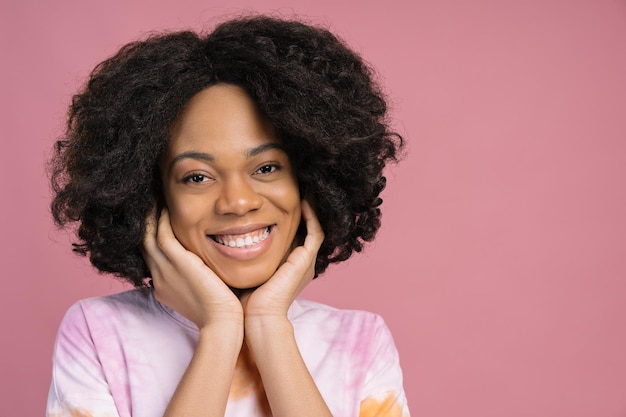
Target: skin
x=225, y=175
x=247, y=180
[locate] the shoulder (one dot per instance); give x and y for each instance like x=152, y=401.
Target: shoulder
x=307, y=311
x=350, y=353
x=131, y=299
x=120, y=303
x=346, y=328
x=124, y=310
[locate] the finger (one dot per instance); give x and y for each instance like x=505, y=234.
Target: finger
x=171, y=247
x=150, y=249
x=315, y=233
x=164, y=226
x=151, y=226
x=165, y=238
x=152, y=255
x=302, y=258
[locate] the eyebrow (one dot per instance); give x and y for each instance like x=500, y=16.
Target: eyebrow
x=202, y=156
x=263, y=148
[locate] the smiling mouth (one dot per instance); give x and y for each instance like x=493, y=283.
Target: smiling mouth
x=243, y=241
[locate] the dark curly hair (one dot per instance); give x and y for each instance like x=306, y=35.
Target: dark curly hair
x=319, y=95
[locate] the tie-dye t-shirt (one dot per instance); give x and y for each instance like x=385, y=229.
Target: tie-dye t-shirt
x=123, y=355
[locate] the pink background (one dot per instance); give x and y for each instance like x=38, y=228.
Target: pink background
x=500, y=265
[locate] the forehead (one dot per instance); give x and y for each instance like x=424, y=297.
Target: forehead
x=220, y=118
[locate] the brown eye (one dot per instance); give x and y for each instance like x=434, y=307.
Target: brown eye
x=195, y=178
x=267, y=169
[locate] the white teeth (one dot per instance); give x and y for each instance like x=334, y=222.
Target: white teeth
x=242, y=241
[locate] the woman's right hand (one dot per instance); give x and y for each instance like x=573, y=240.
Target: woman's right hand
x=183, y=282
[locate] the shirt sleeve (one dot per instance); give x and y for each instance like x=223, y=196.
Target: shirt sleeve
x=383, y=394
x=79, y=387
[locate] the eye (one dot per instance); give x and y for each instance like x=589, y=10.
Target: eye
x=195, y=177
x=267, y=169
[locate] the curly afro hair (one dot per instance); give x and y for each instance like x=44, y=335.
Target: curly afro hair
x=319, y=95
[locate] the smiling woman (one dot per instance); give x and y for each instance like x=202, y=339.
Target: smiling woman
x=220, y=175
x=229, y=187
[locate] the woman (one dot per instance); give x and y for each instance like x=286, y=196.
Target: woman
x=231, y=169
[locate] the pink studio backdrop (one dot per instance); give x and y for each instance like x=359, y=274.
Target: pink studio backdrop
x=500, y=264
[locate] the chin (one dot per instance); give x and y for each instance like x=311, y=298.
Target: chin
x=244, y=284
x=248, y=274
x=244, y=287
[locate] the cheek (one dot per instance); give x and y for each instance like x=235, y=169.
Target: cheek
x=184, y=213
x=293, y=206
x=291, y=203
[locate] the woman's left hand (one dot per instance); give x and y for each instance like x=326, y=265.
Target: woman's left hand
x=273, y=298
x=270, y=337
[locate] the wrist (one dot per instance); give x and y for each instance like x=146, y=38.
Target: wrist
x=229, y=331
x=267, y=330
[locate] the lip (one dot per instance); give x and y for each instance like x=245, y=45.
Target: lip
x=240, y=230
x=246, y=253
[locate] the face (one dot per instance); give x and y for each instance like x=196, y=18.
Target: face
x=229, y=187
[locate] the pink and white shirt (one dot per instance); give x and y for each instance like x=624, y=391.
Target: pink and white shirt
x=123, y=355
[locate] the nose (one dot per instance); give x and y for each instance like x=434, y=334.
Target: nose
x=237, y=196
